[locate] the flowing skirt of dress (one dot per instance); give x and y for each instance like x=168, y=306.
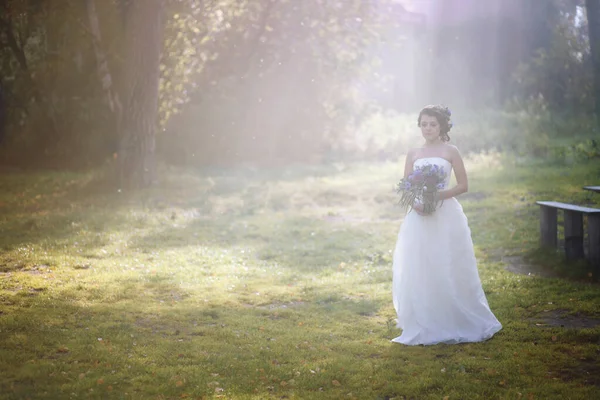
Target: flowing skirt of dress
x=436, y=289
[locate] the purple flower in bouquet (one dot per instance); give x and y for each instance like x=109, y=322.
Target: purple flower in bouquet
x=423, y=185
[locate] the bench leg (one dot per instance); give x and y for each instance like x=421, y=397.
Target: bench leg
x=594, y=238
x=573, y=235
x=548, y=227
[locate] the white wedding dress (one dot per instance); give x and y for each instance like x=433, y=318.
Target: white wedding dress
x=436, y=287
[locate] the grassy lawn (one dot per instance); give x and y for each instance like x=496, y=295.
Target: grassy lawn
x=256, y=284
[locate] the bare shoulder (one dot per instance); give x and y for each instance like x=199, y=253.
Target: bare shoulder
x=452, y=147
x=410, y=154
x=453, y=151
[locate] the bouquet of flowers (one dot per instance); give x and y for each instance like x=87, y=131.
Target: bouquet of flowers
x=422, y=185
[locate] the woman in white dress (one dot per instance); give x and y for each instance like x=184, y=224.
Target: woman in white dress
x=436, y=288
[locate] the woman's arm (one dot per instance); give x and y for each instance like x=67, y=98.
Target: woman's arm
x=462, y=182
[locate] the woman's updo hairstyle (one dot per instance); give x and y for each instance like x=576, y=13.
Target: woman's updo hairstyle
x=442, y=114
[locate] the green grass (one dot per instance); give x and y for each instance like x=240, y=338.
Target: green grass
x=258, y=284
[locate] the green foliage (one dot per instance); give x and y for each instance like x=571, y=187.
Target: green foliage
x=282, y=90
x=196, y=35
x=525, y=129
x=244, y=56
x=577, y=152
x=56, y=110
x=560, y=74
x=286, y=81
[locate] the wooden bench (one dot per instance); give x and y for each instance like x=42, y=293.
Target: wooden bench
x=592, y=188
x=573, y=223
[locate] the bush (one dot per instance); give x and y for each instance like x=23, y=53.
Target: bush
x=528, y=131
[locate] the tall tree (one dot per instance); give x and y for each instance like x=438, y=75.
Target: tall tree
x=144, y=43
x=104, y=74
x=593, y=17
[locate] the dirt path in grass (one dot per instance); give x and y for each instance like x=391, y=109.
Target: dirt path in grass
x=550, y=318
x=517, y=265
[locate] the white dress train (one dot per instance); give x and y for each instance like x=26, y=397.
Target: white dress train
x=436, y=288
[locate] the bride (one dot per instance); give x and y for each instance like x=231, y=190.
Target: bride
x=436, y=288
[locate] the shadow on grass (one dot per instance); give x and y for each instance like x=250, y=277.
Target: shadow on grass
x=52, y=209
x=555, y=263
x=49, y=206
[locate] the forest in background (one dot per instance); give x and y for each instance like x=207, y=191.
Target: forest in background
x=269, y=82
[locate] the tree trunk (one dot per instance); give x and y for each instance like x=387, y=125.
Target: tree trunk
x=103, y=71
x=144, y=36
x=593, y=16
x=18, y=51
